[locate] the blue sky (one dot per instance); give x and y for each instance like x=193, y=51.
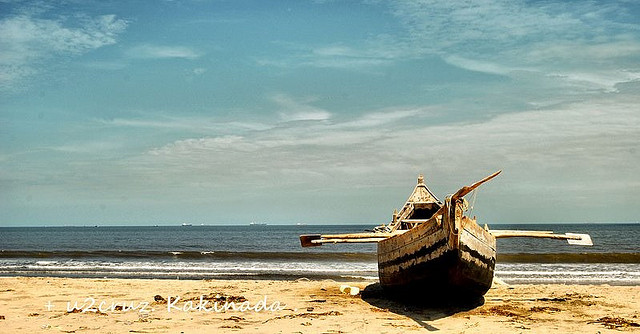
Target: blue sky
x=226, y=112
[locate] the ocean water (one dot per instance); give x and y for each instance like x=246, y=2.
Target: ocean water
x=273, y=251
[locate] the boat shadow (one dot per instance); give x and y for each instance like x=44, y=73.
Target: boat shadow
x=421, y=308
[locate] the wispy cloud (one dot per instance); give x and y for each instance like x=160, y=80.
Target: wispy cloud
x=501, y=36
x=364, y=55
x=387, y=118
x=192, y=123
x=26, y=42
x=89, y=147
x=149, y=51
x=479, y=26
x=106, y=65
x=518, y=39
x=599, y=80
x=618, y=47
x=295, y=110
x=478, y=65
x=551, y=154
x=557, y=154
x=199, y=71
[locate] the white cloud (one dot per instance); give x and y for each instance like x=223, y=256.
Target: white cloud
x=458, y=31
x=295, y=110
x=26, y=42
x=556, y=155
x=365, y=55
x=579, y=146
x=579, y=48
x=478, y=25
x=149, y=51
x=199, y=71
x=90, y=147
x=477, y=66
x=616, y=48
x=599, y=79
x=105, y=65
x=193, y=124
x=386, y=118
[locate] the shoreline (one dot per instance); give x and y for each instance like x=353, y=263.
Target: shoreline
x=309, y=306
x=313, y=277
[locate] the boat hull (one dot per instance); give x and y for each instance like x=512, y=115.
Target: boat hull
x=434, y=258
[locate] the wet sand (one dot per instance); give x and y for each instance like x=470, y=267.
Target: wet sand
x=29, y=305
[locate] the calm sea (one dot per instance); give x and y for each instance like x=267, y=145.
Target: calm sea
x=190, y=252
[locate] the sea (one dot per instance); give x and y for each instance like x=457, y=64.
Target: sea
x=274, y=252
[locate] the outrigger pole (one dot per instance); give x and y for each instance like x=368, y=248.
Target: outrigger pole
x=310, y=240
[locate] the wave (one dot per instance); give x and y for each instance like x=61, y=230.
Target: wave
x=569, y=258
x=187, y=269
x=189, y=275
x=192, y=255
x=569, y=273
x=307, y=256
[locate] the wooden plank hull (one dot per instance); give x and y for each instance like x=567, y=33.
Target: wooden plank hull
x=432, y=249
x=439, y=259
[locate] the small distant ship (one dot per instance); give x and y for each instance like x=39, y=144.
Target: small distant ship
x=187, y=224
x=257, y=224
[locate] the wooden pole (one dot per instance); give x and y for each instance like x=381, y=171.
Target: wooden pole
x=572, y=238
x=342, y=241
x=467, y=189
x=310, y=240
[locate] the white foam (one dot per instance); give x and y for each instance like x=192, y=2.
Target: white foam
x=568, y=273
x=45, y=263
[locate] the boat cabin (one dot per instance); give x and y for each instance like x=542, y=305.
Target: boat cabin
x=421, y=205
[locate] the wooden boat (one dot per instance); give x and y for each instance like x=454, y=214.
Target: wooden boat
x=431, y=246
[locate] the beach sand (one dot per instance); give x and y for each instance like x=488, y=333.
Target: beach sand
x=34, y=305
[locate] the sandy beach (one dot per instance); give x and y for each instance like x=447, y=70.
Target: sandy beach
x=73, y=305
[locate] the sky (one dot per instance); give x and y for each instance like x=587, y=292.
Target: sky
x=316, y=112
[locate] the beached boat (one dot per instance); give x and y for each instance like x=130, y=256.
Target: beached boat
x=432, y=247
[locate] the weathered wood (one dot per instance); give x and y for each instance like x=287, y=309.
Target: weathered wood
x=515, y=233
x=310, y=240
x=420, y=205
x=306, y=240
x=456, y=257
x=465, y=190
x=344, y=241
x=431, y=247
x=572, y=238
x=363, y=235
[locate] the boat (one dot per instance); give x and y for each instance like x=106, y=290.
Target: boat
x=432, y=247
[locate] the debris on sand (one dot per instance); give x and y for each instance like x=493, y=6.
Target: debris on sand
x=309, y=315
x=212, y=297
x=505, y=311
x=352, y=290
x=615, y=322
x=547, y=309
x=77, y=310
x=219, y=297
x=555, y=299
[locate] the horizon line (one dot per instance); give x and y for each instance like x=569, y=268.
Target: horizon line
x=303, y=224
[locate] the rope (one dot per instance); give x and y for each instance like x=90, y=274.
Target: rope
x=473, y=200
